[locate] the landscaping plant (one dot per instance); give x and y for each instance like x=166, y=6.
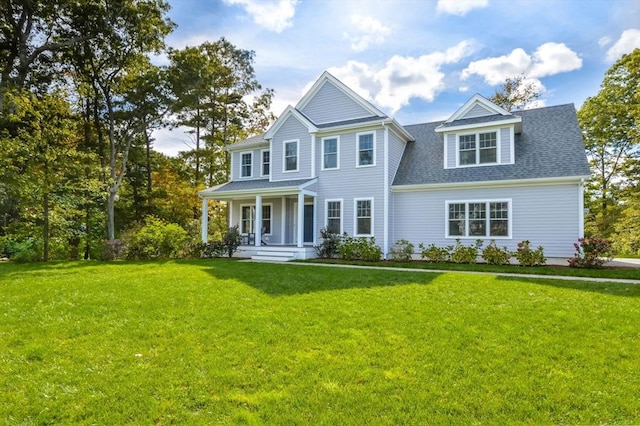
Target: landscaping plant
x=591, y=252
x=402, y=251
x=527, y=256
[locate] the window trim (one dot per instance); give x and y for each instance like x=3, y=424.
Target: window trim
x=270, y=205
x=284, y=155
x=373, y=162
x=242, y=165
x=487, y=203
x=477, y=148
x=326, y=212
x=262, y=163
x=355, y=217
x=337, y=167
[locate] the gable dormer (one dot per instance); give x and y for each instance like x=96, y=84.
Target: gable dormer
x=330, y=101
x=480, y=133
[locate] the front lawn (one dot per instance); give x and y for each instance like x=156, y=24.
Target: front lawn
x=226, y=342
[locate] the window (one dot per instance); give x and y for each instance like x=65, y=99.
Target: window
x=478, y=148
x=291, y=156
x=334, y=216
x=266, y=163
x=366, y=149
x=478, y=219
x=330, y=153
x=364, y=217
x=249, y=216
x=245, y=164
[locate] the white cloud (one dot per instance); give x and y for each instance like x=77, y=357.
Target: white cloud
x=548, y=59
x=369, y=31
x=628, y=41
x=460, y=7
x=604, y=41
x=274, y=15
x=402, y=77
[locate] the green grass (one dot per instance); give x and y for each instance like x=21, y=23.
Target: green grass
x=227, y=342
x=606, y=272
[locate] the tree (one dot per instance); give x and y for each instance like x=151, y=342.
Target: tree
x=609, y=124
x=516, y=92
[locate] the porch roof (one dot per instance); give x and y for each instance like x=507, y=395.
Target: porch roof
x=244, y=188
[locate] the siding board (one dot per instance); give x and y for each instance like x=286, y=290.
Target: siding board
x=332, y=105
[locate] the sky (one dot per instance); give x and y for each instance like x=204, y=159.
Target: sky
x=416, y=60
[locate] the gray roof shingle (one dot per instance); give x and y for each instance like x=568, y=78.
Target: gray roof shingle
x=549, y=146
x=255, y=184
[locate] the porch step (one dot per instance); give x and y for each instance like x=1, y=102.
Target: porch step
x=274, y=256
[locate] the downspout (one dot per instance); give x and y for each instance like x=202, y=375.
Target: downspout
x=581, y=208
x=385, y=234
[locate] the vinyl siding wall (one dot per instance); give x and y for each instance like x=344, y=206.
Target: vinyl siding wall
x=276, y=212
x=546, y=215
x=477, y=111
x=331, y=105
x=291, y=129
x=256, y=163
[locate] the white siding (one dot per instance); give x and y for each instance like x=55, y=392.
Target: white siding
x=331, y=105
x=291, y=129
x=546, y=215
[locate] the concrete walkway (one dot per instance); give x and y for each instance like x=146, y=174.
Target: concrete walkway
x=635, y=263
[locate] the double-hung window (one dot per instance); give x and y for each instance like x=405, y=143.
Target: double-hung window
x=291, y=156
x=478, y=148
x=364, y=216
x=330, y=148
x=366, y=149
x=478, y=218
x=245, y=164
x=248, y=219
x=334, y=216
x=266, y=162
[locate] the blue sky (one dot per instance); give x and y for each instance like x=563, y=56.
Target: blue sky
x=417, y=60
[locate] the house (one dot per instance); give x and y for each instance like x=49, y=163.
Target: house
x=335, y=160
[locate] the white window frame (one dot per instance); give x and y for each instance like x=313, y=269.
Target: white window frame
x=253, y=218
x=487, y=202
x=326, y=212
x=262, y=163
x=242, y=165
x=284, y=155
x=373, y=162
x=355, y=217
x=337, y=167
x=477, y=134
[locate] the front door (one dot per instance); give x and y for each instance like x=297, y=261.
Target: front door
x=308, y=223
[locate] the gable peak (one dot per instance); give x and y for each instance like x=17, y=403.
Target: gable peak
x=478, y=105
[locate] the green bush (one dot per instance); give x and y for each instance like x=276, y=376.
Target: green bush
x=432, y=253
x=113, y=249
x=229, y=244
x=494, y=255
x=23, y=250
x=156, y=239
x=591, y=253
x=464, y=254
x=360, y=248
x=527, y=256
x=330, y=244
x=402, y=251
x=232, y=239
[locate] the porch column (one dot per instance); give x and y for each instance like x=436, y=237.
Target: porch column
x=300, y=213
x=283, y=221
x=205, y=220
x=258, y=225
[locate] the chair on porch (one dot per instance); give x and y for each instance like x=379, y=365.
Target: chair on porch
x=249, y=239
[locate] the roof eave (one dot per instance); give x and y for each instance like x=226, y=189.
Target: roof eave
x=490, y=184
x=513, y=120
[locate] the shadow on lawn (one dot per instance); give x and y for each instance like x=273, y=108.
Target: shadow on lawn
x=286, y=279
x=609, y=288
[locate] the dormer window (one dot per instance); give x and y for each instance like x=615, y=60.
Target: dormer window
x=478, y=148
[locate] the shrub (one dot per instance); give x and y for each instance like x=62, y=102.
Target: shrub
x=432, y=253
x=402, y=251
x=591, y=253
x=464, y=254
x=527, y=256
x=213, y=249
x=112, y=249
x=361, y=248
x=156, y=239
x=494, y=255
x=232, y=240
x=24, y=250
x=329, y=247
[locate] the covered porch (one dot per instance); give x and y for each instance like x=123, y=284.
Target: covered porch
x=278, y=217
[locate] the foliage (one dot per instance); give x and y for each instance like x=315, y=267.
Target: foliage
x=432, y=253
x=155, y=239
x=591, y=253
x=402, y=251
x=329, y=244
x=627, y=229
x=359, y=248
x=24, y=250
x=527, y=256
x=113, y=250
x=494, y=255
x=232, y=239
x=459, y=253
x=517, y=92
